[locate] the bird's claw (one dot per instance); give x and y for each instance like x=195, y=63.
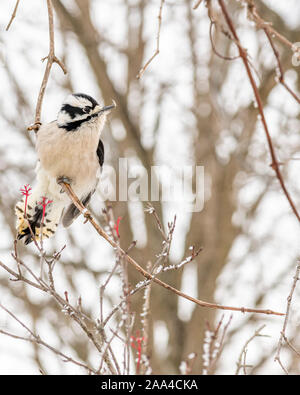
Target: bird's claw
x=87, y=217
x=65, y=180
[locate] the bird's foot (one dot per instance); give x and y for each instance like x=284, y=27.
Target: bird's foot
x=65, y=180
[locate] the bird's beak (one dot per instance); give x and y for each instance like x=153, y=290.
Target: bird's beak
x=108, y=108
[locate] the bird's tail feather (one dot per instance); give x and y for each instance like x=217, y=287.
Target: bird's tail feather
x=72, y=212
x=41, y=212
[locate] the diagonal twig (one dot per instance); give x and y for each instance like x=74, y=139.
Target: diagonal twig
x=36, y=339
x=13, y=15
x=67, y=188
x=280, y=73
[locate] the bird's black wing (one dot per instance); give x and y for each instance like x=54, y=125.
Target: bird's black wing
x=72, y=211
x=100, y=153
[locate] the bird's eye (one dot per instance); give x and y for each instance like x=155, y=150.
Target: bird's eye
x=87, y=109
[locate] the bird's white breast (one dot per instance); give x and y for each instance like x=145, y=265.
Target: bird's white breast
x=71, y=154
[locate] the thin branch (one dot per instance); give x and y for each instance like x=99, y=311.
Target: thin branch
x=222, y=343
x=13, y=15
x=186, y=365
x=213, y=345
x=19, y=276
x=145, y=320
x=151, y=210
x=212, y=23
x=262, y=24
x=51, y=58
x=36, y=339
x=283, y=337
x=77, y=315
x=124, y=299
x=279, y=70
x=143, y=69
x=243, y=354
x=197, y=4
x=290, y=345
x=67, y=188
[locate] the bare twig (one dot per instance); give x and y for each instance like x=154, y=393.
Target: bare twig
x=262, y=24
x=197, y=4
x=77, y=315
x=36, y=339
x=290, y=345
x=19, y=277
x=186, y=366
x=279, y=69
x=151, y=210
x=143, y=69
x=145, y=320
x=51, y=58
x=218, y=350
x=187, y=260
x=241, y=364
x=212, y=23
x=124, y=299
x=213, y=345
x=13, y=15
x=108, y=348
x=283, y=337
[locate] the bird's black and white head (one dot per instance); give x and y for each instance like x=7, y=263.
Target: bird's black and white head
x=80, y=110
